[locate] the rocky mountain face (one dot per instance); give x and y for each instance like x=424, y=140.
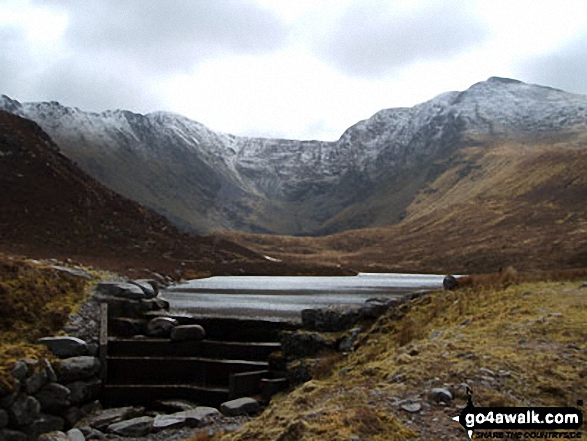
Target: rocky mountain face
x=204, y=180
x=51, y=208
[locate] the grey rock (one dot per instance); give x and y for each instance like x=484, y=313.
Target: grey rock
x=146, y=287
x=161, y=326
x=188, y=333
x=105, y=418
x=120, y=289
x=75, y=435
x=127, y=327
x=51, y=375
x=54, y=436
x=3, y=418
x=119, y=307
x=24, y=410
x=331, y=319
x=584, y=285
x=12, y=435
x=296, y=344
x=192, y=418
x=84, y=391
x=411, y=407
x=65, y=347
x=54, y=398
x=136, y=427
x=440, y=394
x=35, y=382
x=486, y=371
x=74, y=272
x=91, y=433
x=347, y=343
x=450, y=283
x=164, y=422
x=74, y=414
x=78, y=368
x=20, y=370
x=240, y=406
x=155, y=304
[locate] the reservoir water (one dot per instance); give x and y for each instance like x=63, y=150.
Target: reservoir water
x=283, y=298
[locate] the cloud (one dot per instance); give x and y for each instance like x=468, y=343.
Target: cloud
x=169, y=36
x=375, y=38
x=565, y=68
x=11, y=65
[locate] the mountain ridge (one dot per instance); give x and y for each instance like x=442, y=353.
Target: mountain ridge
x=205, y=180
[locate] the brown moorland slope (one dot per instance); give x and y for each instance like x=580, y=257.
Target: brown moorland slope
x=500, y=203
x=50, y=208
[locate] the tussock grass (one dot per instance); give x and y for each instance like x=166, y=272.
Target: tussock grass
x=36, y=301
x=514, y=342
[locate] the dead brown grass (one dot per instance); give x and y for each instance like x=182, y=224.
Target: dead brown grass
x=515, y=343
x=36, y=301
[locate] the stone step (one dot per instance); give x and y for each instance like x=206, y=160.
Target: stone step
x=152, y=347
x=116, y=395
x=226, y=329
x=177, y=370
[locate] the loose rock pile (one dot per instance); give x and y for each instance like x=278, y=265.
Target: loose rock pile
x=50, y=396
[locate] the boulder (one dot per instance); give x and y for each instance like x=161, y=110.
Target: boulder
x=155, y=304
x=121, y=290
x=331, y=319
x=305, y=343
x=35, y=382
x=20, y=370
x=78, y=368
x=24, y=410
x=119, y=307
x=161, y=326
x=107, y=417
x=65, y=347
x=76, y=272
x=127, y=327
x=347, y=343
x=188, y=333
x=440, y=394
x=75, y=435
x=193, y=418
x=54, y=398
x=84, y=391
x=150, y=289
x=135, y=427
x=450, y=283
x=240, y=406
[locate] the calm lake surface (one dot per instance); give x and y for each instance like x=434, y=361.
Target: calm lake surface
x=283, y=298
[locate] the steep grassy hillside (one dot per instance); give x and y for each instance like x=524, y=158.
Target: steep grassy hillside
x=50, y=208
x=505, y=203
x=36, y=301
x=513, y=345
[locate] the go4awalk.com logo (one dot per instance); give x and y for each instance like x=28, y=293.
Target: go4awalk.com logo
x=520, y=422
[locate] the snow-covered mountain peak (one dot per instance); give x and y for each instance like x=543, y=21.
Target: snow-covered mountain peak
x=202, y=177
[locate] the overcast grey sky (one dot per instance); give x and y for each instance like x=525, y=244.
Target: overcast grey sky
x=290, y=68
